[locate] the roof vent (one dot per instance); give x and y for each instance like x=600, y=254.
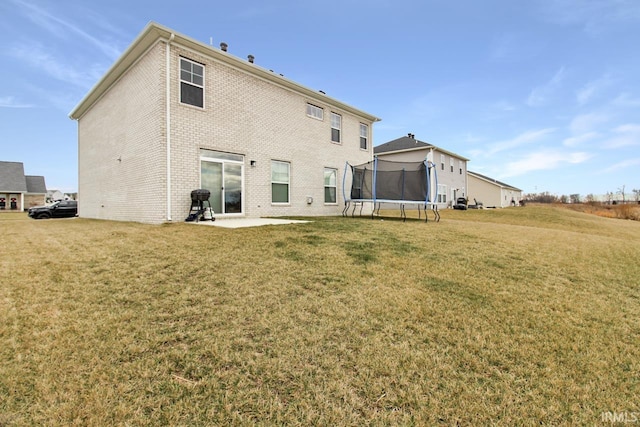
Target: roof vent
x=250, y=58
x=223, y=46
x=410, y=135
x=322, y=92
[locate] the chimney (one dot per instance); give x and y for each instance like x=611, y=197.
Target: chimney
x=250, y=58
x=223, y=46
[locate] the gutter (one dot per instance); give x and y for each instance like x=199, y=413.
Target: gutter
x=168, y=124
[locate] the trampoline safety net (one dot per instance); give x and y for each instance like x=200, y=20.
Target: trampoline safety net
x=384, y=181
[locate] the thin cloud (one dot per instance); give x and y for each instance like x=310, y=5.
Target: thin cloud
x=470, y=138
x=575, y=141
x=10, y=102
x=542, y=94
x=594, y=16
x=61, y=27
x=504, y=106
x=543, y=160
x=622, y=165
x=624, y=136
x=520, y=140
x=625, y=99
x=592, y=88
x=39, y=58
x=585, y=123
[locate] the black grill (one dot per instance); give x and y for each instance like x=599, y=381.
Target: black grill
x=200, y=195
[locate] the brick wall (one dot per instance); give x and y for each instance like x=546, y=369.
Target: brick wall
x=31, y=200
x=263, y=121
x=122, y=141
x=121, y=149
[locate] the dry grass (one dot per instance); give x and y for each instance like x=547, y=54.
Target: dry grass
x=620, y=211
x=506, y=317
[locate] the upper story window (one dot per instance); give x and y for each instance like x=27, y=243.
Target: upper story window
x=460, y=166
x=191, y=83
x=364, y=136
x=336, y=125
x=451, y=163
x=442, y=161
x=315, y=112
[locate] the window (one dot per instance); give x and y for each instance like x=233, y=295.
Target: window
x=442, y=161
x=330, y=184
x=336, y=125
x=460, y=166
x=442, y=193
x=451, y=163
x=364, y=136
x=280, y=182
x=315, y=112
x=191, y=83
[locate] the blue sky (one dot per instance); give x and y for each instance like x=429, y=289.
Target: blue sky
x=541, y=94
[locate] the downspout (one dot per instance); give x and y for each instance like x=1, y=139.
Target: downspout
x=168, y=124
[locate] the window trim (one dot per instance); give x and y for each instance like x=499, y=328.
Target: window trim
x=311, y=108
x=442, y=195
x=335, y=187
x=288, y=183
x=364, y=137
x=339, y=128
x=180, y=81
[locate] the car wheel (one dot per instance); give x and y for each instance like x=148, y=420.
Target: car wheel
x=44, y=216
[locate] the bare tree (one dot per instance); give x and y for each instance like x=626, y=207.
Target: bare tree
x=609, y=197
x=637, y=193
x=621, y=191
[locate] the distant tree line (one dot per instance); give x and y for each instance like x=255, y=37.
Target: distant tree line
x=610, y=197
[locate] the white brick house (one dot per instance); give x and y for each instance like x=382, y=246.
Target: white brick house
x=451, y=168
x=174, y=114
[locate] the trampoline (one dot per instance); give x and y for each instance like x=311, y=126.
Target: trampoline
x=381, y=182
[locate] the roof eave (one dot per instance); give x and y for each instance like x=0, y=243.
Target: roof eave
x=424, y=147
x=492, y=181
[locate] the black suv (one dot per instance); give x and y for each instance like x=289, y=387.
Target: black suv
x=461, y=204
x=60, y=209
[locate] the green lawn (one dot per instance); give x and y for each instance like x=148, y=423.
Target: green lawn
x=520, y=316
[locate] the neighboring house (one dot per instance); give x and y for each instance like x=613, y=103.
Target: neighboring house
x=174, y=114
x=53, y=195
x=451, y=168
x=18, y=191
x=491, y=192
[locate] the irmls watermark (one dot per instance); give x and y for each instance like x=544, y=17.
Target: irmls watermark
x=624, y=417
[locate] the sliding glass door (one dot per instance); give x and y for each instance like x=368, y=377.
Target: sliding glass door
x=222, y=174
